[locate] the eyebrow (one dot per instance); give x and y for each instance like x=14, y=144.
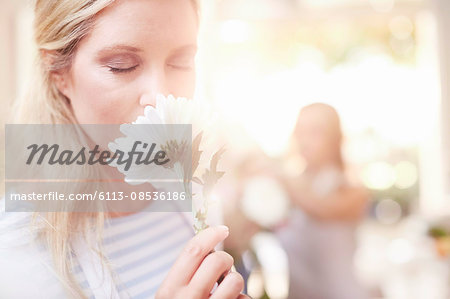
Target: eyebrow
x=189, y=47
x=120, y=47
x=135, y=49
x=123, y=47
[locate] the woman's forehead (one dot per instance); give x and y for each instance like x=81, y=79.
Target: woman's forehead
x=146, y=23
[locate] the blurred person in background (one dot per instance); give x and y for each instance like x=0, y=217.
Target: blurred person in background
x=319, y=235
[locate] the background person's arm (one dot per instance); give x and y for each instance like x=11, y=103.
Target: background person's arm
x=347, y=204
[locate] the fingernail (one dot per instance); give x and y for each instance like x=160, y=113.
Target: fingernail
x=224, y=228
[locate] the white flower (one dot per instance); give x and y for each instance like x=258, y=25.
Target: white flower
x=171, y=110
x=190, y=158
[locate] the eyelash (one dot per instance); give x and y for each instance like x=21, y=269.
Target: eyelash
x=118, y=70
x=182, y=68
x=130, y=69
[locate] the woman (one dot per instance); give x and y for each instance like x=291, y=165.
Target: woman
x=319, y=236
x=102, y=62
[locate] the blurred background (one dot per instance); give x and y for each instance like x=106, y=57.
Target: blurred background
x=383, y=65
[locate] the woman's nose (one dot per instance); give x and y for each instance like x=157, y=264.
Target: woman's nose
x=154, y=84
x=147, y=100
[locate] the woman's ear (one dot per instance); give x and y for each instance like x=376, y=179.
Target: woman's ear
x=58, y=74
x=59, y=78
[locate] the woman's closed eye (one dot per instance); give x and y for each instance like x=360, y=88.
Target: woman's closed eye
x=121, y=63
x=122, y=68
x=183, y=62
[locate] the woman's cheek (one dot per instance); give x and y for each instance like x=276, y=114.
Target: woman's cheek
x=115, y=108
x=102, y=99
x=182, y=84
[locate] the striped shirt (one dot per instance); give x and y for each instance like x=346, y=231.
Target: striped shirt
x=140, y=249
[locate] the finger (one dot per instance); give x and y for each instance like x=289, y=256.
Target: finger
x=193, y=254
x=212, y=267
x=230, y=288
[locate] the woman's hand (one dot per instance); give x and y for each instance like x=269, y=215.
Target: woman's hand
x=197, y=269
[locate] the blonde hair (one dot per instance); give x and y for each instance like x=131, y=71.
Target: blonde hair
x=59, y=26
